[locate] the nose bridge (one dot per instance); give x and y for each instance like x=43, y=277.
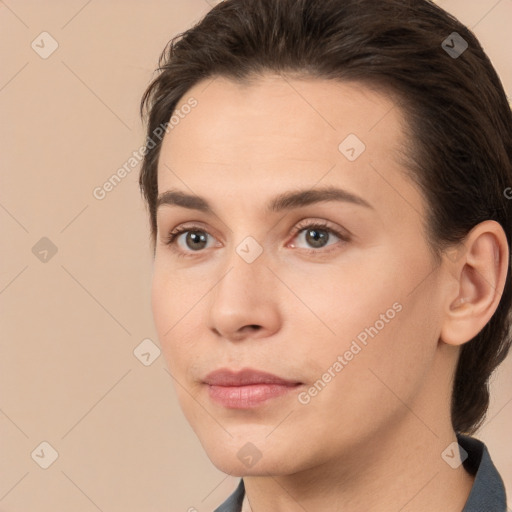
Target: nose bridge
x=245, y=268
x=241, y=297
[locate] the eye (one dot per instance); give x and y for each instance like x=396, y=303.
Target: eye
x=195, y=239
x=317, y=235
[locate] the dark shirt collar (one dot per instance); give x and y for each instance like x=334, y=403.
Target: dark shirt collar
x=487, y=493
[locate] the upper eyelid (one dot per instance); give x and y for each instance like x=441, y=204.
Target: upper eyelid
x=298, y=226
x=186, y=226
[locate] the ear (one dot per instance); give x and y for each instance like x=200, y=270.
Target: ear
x=479, y=267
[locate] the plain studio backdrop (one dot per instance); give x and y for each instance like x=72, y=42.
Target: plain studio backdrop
x=83, y=389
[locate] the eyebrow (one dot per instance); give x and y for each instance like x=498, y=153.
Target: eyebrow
x=284, y=201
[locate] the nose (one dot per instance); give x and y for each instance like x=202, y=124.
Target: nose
x=245, y=301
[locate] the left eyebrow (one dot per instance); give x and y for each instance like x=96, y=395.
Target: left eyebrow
x=285, y=201
x=296, y=199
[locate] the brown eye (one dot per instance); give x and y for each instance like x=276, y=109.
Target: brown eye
x=195, y=240
x=317, y=237
x=189, y=239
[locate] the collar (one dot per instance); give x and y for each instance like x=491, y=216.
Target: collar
x=487, y=493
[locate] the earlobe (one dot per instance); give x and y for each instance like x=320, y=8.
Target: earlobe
x=480, y=273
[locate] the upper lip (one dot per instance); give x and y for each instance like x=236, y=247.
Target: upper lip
x=244, y=377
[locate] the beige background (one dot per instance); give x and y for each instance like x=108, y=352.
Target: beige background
x=70, y=325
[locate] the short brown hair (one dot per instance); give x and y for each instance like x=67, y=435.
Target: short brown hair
x=460, y=122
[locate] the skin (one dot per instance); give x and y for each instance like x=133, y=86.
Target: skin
x=372, y=439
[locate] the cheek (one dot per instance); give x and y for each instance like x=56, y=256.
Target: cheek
x=348, y=298
x=161, y=304
x=366, y=310
x=376, y=378
x=167, y=305
x=172, y=297
x=176, y=304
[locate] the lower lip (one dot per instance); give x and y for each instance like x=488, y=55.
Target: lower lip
x=246, y=397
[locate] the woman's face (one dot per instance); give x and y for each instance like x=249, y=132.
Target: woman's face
x=340, y=297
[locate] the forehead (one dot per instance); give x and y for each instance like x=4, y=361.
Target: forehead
x=275, y=118
x=249, y=139
x=291, y=108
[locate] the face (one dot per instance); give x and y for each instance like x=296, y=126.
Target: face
x=334, y=293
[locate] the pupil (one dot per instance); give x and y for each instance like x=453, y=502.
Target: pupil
x=196, y=238
x=318, y=237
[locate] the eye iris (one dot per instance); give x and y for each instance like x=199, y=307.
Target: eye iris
x=316, y=237
x=196, y=237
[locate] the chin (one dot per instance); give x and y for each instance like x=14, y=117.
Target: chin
x=236, y=468
x=245, y=459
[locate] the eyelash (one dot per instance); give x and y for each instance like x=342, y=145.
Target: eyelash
x=171, y=238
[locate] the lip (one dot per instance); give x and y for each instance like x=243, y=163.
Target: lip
x=245, y=377
x=246, y=388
